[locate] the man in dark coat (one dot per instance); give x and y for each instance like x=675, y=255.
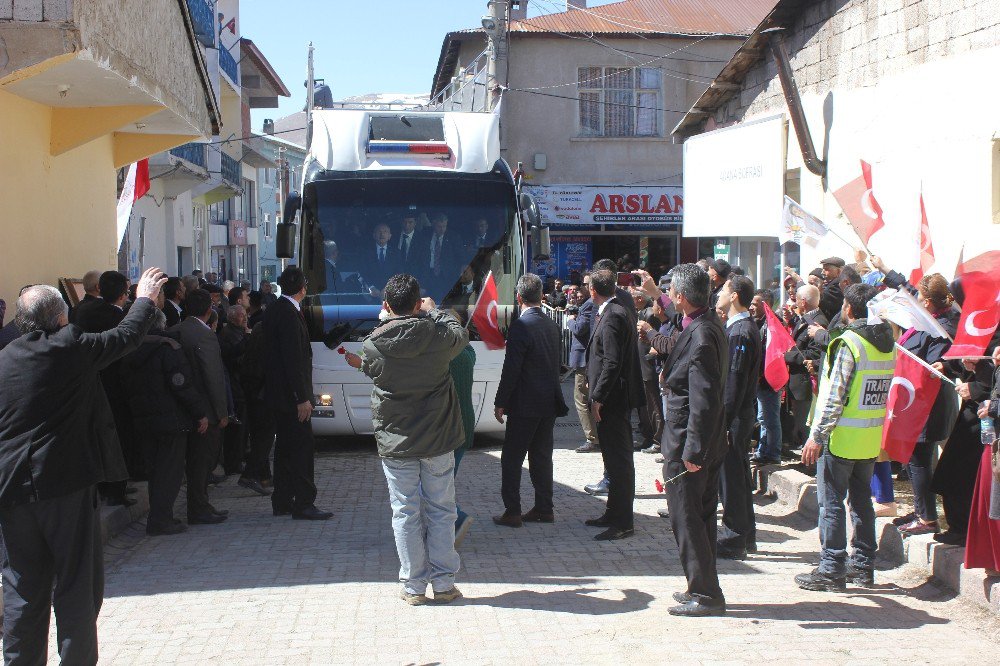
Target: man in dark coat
x=165, y=406
x=91, y=294
x=694, y=439
x=97, y=316
x=173, y=295
x=530, y=396
x=289, y=389
x=651, y=412
x=739, y=528
x=615, y=390
x=799, y=392
x=201, y=345
x=57, y=441
x=832, y=296
x=233, y=341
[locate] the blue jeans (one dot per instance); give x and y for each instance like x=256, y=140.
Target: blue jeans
x=769, y=415
x=838, y=479
x=422, y=495
x=459, y=454
x=881, y=485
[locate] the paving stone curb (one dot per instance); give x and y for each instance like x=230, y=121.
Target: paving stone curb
x=943, y=563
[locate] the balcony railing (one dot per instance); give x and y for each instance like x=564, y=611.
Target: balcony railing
x=192, y=152
x=203, y=17
x=230, y=170
x=228, y=65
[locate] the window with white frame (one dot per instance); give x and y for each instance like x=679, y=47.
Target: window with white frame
x=619, y=101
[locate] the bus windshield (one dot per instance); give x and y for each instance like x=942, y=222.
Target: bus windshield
x=448, y=232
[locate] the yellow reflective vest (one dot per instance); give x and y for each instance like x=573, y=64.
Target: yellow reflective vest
x=858, y=433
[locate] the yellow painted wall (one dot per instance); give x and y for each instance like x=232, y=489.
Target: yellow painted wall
x=57, y=214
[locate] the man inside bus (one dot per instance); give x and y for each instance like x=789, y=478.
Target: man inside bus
x=331, y=254
x=442, y=255
x=407, y=245
x=380, y=262
x=482, y=237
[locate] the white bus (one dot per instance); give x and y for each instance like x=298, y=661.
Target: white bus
x=375, y=173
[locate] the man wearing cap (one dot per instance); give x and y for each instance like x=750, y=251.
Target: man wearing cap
x=832, y=296
x=718, y=273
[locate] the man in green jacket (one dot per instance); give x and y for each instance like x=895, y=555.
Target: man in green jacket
x=418, y=426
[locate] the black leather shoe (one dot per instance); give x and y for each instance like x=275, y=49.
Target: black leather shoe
x=131, y=490
x=599, y=489
x=613, y=534
x=216, y=479
x=820, y=582
x=653, y=448
x=663, y=513
x=508, y=520
x=697, y=608
x=206, y=519
x=589, y=447
x=254, y=485
x=682, y=597
x=860, y=577
x=535, y=516
x=950, y=538
x=281, y=512
x=311, y=513
x=730, y=553
x=165, y=530
x=121, y=501
x=219, y=512
x=597, y=522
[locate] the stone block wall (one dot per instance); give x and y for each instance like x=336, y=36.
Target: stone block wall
x=844, y=44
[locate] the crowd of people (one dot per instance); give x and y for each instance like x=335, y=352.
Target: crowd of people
x=177, y=378
x=164, y=380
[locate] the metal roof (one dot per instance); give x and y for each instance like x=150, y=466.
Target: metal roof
x=674, y=17
x=729, y=81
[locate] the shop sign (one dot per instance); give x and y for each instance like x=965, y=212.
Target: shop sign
x=721, y=250
x=589, y=205
x=237, y=232
x=734, y=180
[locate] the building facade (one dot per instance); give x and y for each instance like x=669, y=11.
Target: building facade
x=81, y=98
x=202, y=209
x=878, y=82
x=273, y=184
x=590, y=97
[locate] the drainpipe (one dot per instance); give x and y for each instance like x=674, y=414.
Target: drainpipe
x=776, y=41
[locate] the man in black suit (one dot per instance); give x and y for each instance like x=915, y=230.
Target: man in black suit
x=201, y=345
x=441, y=254
x=694, y=439
x=289, y=389
x=799, y=390
x=57, y=441
x=615, y=389
x=482, y=237
x=738, y=534
x=91, y=294
x=580, y=325
x=381, y=261
x=406, y=246
x=173, y=294
x=530, y=396
x=101, y=315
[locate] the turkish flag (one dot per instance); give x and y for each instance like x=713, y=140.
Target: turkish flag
x=778, y=342
x=926, y=248
x=134, y=188
x=485, y=315
x=858, y=202
x=980, y=313
x=911, y=396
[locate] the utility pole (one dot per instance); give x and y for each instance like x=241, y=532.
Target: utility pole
x=496, y=32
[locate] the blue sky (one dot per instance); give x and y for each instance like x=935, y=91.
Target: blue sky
x=362, y=46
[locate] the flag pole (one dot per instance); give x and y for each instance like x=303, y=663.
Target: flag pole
x=925, y=364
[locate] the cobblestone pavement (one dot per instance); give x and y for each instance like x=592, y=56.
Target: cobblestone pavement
x=265, y=590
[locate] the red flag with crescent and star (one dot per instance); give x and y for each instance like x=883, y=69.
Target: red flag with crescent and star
x=778, y=342
x=926, y=248
x=911, y=396
x=485, y=315
x=980, y=312
x=858, y=202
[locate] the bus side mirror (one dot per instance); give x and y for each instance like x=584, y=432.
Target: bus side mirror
x=541, y=243
x=529, y=208
x=284, y=239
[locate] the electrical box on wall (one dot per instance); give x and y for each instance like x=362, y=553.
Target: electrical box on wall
x=540, y=161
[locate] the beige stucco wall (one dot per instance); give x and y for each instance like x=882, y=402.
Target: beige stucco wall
x=537, y=124
x=58, y=214
x=147, y=39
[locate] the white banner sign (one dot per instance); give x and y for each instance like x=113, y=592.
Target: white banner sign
x=798, y=226
x=593, y=205
x=734, y=180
